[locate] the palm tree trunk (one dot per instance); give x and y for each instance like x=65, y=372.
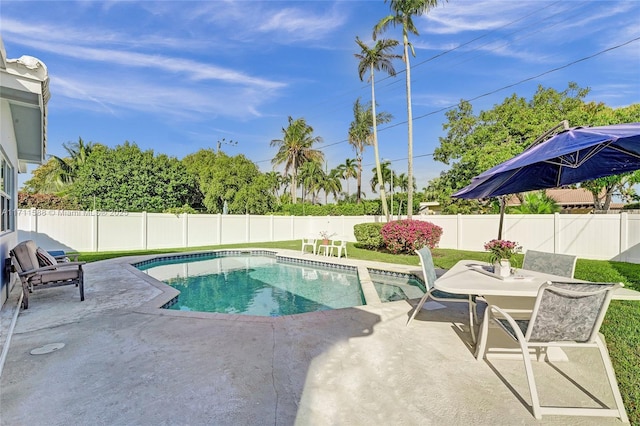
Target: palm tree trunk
x=383, y=198
x=359, y=180
x=294, y=186
x=410, y=126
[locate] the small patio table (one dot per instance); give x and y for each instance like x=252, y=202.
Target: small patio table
x=518, y=291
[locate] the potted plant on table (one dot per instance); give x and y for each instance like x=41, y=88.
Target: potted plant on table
x=325, y=235
x=501, y=253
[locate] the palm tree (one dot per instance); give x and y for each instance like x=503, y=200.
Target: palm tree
x=295, y=149
x=348, y=170
x=536, y=203
x=284, y=184
x=376, y=58
x=402, y=14
x=46, y=179
x=331, y=184
x=67, y=167
x=275, y=179
x=311, y=178
x=385, y=173
x=361, y=135
x=402, y=182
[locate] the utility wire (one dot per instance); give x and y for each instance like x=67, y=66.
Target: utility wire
x=486, y=34
x=493, y=91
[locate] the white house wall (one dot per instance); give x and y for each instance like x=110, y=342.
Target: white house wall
x=8, y=239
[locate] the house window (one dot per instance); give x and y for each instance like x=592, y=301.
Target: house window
x=7, y=198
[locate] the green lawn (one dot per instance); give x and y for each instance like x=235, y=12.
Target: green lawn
x=621, y=327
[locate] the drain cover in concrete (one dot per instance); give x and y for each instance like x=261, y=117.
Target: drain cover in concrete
x=47, y=349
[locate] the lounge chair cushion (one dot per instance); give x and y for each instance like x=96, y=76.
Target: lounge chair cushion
x=56, y=275
x=44, y=258
x=25, y=255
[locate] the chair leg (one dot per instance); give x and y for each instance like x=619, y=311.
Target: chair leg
x=418, y=307
x=535, y=402
x=25, y=296
x=611, y=376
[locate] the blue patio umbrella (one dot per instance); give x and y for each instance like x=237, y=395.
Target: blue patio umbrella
x=572, y=156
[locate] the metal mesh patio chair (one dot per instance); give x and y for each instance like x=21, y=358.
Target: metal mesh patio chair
x=429, y=273
x=564, y=315
x=562, y=265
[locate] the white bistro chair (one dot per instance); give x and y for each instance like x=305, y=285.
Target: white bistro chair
x=564, y=315
x=309, y=242
x=339, y=245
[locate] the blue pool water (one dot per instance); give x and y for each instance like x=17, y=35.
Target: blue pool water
x=255, y=285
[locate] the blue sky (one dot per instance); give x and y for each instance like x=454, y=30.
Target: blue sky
x=179, y=76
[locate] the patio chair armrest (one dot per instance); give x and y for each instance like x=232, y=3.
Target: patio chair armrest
x=66, y=264
x=71, y=257
x=51, y=268
x=38, y=270
x=492, y=309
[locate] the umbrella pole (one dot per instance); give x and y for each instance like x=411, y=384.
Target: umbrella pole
x=503, y=204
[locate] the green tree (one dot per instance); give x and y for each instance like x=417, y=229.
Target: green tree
x=311, y=177
x=360, y=135
x=275, y=182
x=78, y=154
x=229, y=176
x=232, y=179
x=537, y=202
x=45, y=179
x=372, y=59
x=603, y=189
x=129, y=179
x=255, y=198
x=46, y=201
x=331, y=184
x=402, y=14
x=348, y=170
x=475, y=143
x=296, y=148
x=57, y=174
x=403, y=183
x=385, y=175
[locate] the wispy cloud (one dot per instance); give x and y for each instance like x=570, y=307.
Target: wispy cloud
x=193, y=70
x=471, y=16
x=195, y=103
x=297, y=24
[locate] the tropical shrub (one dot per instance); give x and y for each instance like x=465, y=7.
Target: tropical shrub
x=406, y=236
x=46, y=201
x=370, y=208
x=369, y=235
x=180, y=210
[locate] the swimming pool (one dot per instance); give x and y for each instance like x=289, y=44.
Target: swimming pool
x=254, y=284
x=392, y=287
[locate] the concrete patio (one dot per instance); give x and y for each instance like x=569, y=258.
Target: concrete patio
x=127, y=362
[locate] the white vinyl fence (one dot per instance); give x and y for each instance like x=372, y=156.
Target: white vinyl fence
x=615, y=236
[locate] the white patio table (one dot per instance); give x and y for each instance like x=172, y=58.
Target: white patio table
x=515, y=292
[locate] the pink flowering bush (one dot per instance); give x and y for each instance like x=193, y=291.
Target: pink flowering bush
x=406, y=236
x=501, y=249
